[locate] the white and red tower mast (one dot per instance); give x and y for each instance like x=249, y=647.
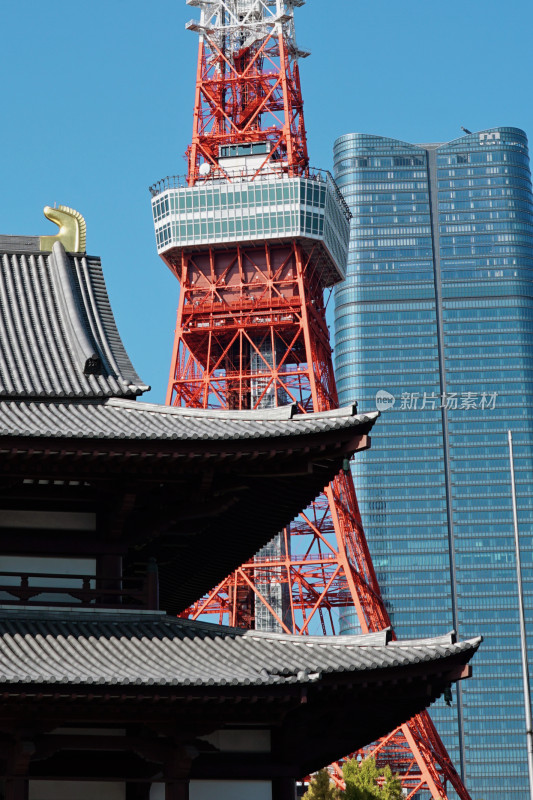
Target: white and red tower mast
x=254, y=237
x=248, y=83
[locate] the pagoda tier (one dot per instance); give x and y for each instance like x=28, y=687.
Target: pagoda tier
x=147, y=699
x=126, y=483
x=112, y=508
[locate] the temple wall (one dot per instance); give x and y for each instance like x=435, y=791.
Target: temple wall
x=76, y=790
x=221, y=790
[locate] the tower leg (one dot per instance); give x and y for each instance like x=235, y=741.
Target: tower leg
x=265, y=342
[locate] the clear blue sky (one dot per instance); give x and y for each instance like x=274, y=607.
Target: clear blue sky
x=97, y=105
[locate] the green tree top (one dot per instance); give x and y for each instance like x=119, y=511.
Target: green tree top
x=321, y=788
x=362, y=782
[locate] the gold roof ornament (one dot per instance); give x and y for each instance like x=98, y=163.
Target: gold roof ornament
x=72, y=229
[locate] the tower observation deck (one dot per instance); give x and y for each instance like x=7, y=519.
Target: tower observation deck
x=254, y=236
x=249, y=179
x=251, y=207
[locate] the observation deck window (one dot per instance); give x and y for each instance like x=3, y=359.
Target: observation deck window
x=247, y=149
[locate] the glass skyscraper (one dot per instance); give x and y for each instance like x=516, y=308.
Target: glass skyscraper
x=434, y=325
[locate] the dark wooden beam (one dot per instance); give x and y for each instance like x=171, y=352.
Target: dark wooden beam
x=284, y=789
x=138, y=791
x=119, y=510
x=177, y=790
x=18, y=757
x=17, y=789
x=124, y=454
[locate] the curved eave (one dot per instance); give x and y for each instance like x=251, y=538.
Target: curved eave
x=196, y=483
x=356, y=690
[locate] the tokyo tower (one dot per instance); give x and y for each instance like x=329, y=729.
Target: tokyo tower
x=255, y=237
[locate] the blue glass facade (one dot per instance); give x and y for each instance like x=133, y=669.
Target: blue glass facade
x=437, y=311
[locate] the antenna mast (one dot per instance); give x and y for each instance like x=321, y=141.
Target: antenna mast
x=248, y=85
x=254, y=236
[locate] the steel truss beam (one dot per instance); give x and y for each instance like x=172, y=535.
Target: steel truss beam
x=247, y=85
x=251, y=331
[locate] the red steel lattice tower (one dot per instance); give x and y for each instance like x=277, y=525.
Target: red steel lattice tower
x=255, y=237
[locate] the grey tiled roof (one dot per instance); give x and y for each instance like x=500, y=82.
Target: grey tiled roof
x=127, y=648
x=58, y=337
x=117, y=418
x=19, y=244
x=249, y=458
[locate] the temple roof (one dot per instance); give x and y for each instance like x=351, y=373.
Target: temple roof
x=124, y=648
x=170, y=484
x=58, y=336
x=70, y=670
x=64, y=372
x=116, y=418
x=162, y=479
x=175, y=484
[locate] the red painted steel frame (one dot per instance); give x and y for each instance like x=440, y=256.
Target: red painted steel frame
x=251, y=321
x=255, y=95
x=251, y=331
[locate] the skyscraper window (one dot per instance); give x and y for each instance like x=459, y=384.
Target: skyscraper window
x=434, y=325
